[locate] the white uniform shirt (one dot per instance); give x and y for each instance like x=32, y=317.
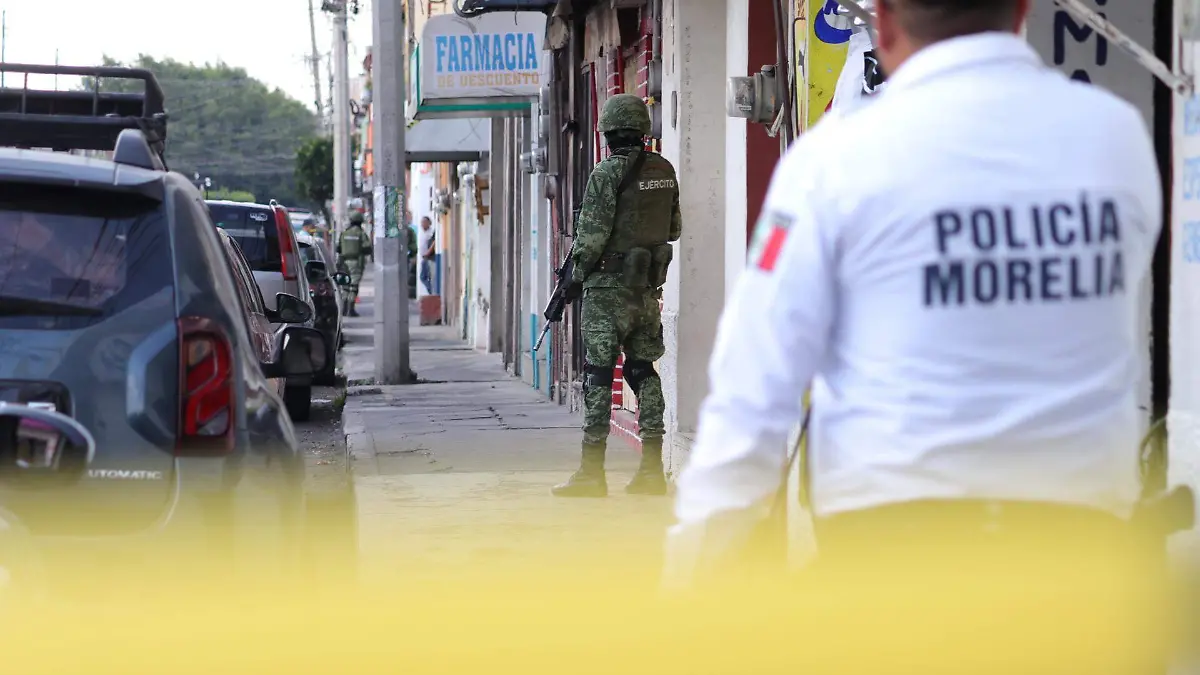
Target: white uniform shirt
x=955, y=269
x=423, y=238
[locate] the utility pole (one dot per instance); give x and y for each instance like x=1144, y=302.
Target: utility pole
x=391, y=256
x=332, y=86
x=341, y=118
x=3, y=41
x=316, y=62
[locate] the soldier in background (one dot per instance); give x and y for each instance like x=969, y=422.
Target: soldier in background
x=352, y=248
x=622, y=249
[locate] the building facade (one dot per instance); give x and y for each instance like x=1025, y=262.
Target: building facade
x=504, y=217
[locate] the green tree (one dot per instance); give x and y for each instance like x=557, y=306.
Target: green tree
x=314, y=172
x=231, y=195
x=228, y=126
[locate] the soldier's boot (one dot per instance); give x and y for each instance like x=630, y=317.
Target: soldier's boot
x=649, y=479
x=589, y=480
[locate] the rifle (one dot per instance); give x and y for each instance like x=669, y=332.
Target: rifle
x=558, y=303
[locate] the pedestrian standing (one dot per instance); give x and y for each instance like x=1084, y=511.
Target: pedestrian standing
x=955, y=269
x=427, y=245
x=621, y=253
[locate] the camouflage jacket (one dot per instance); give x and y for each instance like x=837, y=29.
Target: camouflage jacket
x=645, y=214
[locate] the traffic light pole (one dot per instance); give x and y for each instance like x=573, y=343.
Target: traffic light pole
x=391, y=255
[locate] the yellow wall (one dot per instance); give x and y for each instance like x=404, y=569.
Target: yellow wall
x=822, y=67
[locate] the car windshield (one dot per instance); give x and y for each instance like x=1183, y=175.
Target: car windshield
x=72, y=256
x=254, y=230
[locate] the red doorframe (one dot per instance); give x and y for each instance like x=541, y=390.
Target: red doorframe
x=762, y=151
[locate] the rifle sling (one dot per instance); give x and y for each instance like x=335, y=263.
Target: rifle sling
x=631, y=174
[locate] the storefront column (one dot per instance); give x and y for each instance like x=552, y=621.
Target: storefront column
x=694, y=128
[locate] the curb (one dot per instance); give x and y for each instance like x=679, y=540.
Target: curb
x=360, y=444
x=361, y=448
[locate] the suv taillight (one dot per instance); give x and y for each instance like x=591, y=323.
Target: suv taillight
x=287, y=244
x=206, y=386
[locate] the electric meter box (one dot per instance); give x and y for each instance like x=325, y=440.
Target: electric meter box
x=753, y=97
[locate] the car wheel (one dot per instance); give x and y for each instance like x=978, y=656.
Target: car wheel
x=299, y=402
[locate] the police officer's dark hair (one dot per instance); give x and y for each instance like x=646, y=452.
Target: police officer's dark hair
x=623, y=138
x=933, y=20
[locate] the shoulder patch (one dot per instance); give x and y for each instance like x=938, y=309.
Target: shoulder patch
x=769, y=237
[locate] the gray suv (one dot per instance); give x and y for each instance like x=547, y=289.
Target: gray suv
x=118, y=308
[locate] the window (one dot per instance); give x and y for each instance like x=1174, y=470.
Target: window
x=71, y=256
x=254, y=229
x=248, y=287
x=309, y=253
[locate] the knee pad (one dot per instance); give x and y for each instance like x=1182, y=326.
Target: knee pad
x=637, y=372
x=598, y=377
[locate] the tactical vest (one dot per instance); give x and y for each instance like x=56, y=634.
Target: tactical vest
x=352, y=242
x=638, y=250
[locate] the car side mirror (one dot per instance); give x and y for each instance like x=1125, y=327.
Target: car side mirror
x=342, y=279
x=42, y=447
x=315, y=271
x=302, y=351
x=289, y=309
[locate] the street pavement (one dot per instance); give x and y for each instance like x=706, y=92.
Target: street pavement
x=453, y=473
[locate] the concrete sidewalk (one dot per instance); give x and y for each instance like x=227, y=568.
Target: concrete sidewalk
x=457, y=469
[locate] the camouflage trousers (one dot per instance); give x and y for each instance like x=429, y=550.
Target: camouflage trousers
x=617, y=320
x=354, y=267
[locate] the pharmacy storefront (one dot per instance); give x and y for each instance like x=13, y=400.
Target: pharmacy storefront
x=487, y=66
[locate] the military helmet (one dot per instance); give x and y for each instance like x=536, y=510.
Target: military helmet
x=356, y=218
x=625, y=111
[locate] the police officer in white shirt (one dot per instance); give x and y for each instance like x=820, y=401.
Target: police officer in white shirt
x=955, y=270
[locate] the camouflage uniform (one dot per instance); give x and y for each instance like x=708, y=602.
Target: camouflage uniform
x=352, y=248
x=621, y=253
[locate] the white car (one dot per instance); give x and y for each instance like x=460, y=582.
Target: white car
x=264, y=233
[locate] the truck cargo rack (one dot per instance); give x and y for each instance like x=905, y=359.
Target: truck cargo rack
x=88, y=119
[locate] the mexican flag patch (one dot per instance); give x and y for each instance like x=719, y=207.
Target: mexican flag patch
x=769, y=237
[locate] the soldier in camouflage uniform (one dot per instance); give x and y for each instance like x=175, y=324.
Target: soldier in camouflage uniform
x=621, y=253
x=352, y=249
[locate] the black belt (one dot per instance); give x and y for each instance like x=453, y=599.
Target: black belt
x=613, y=262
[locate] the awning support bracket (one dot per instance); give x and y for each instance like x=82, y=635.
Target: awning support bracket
x=1183, y=84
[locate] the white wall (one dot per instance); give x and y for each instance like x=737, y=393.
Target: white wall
x=527, y=227
x=482, y=281
x=694, y=66
x=423, y=185
x=737, y=50
x=1184, y=416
